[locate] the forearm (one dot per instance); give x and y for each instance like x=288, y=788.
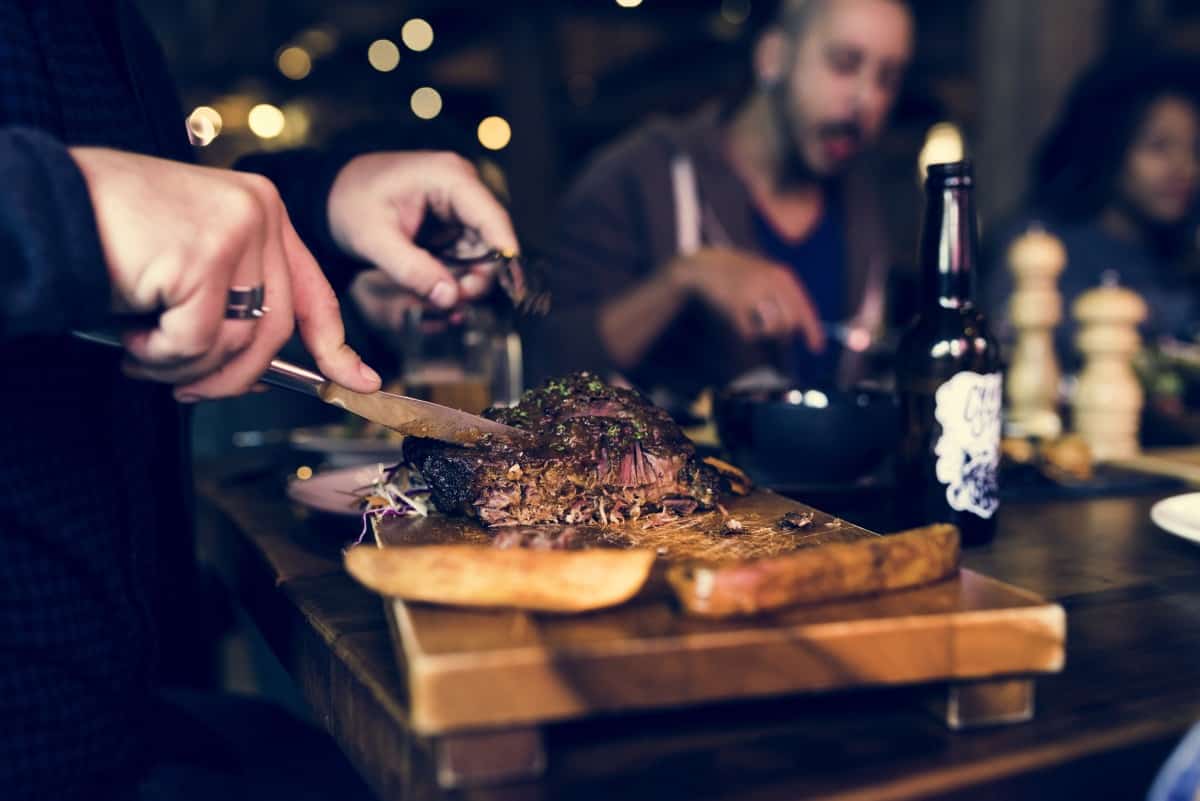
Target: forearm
x=630, y=323
x=53, y=278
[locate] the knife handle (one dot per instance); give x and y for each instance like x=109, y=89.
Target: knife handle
x=280, y=373
x=286, y=375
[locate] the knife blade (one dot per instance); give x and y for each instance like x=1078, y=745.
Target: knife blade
x=409, y=416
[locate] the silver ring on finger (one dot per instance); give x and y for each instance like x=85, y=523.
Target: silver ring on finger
x=245, y=303
x=765, y=314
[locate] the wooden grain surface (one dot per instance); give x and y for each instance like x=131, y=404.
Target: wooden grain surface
x=712, y=570
x=469, y=669
x=1104, y=725
x=695, y=537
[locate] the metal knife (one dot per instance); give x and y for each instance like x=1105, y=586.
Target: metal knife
x=409, y=416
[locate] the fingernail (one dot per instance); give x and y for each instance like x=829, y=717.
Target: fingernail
x=443, y=295
x=369, y=375
x=186, y=397
x=472, y=284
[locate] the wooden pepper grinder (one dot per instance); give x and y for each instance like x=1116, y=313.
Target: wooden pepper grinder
x=1108, y=398
x=1035, y=260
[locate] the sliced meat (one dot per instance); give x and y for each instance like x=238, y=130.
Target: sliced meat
x=599, y=454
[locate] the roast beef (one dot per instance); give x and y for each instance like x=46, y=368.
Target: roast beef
x=595, y=454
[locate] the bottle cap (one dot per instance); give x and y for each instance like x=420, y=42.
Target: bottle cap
x=954, y=173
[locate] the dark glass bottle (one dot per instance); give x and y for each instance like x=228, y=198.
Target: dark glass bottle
x=948, y=375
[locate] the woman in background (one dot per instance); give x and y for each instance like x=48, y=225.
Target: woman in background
x=1116, y=180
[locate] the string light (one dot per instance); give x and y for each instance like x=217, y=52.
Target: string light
x=383, y=55
x=417, y=35
x=294, y=62
x=266, y=121
x=426, y=103
x=494, y=133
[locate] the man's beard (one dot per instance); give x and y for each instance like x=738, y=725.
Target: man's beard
x=794, y=170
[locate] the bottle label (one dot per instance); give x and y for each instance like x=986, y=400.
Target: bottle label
x=968, y=449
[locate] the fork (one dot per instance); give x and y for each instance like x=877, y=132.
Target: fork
x=522, y=278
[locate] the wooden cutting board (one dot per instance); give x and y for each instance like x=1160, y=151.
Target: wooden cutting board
x=485, y=669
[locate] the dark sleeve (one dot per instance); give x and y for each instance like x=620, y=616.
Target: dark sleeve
x=304, y=178
x=600, y=251
x=53, y=278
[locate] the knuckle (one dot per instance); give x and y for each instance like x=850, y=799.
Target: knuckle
x=191, y=344
x=454, y=163
x=241, y=205
x=260, y=185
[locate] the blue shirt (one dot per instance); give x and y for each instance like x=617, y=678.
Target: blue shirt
x=819, y=262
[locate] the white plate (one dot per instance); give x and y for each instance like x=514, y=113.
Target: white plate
x=334, y=491
x=1179, y=515
x=339, y=448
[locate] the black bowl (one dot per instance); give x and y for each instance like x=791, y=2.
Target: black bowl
x=808, y=437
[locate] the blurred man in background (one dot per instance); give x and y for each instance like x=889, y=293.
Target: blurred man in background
x=691, y=252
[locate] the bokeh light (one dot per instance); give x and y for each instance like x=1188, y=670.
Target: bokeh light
x=494, y=133
x=297, y=121
x=266, y=121
x=629, y=3
x=383, y=55
x=426, y=103
x=943, y=144
x=417, y=35
x=294, y=62
x=735, y=12
x=319, y=41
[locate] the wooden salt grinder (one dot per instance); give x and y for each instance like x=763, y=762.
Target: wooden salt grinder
x=1035, y=260
x=1108, y=398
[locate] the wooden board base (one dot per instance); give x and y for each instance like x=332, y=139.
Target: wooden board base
x=505, y=756
x=481, y=681
x=486, y=669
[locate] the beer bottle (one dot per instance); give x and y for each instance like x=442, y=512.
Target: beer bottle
x=948, y=375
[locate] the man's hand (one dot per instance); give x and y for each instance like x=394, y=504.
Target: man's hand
x=377, y=204
x=762, y=299
x=382, y=301
x=176, y=238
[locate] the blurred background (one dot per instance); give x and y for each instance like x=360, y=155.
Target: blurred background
x=533, y=87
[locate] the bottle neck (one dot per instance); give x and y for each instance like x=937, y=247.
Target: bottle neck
x=949, y=244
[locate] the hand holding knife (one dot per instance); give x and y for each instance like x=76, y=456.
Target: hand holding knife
x=409, y=416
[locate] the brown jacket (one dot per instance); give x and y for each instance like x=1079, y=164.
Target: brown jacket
x=620, y=222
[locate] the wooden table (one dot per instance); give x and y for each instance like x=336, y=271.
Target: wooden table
x=1129, y=691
